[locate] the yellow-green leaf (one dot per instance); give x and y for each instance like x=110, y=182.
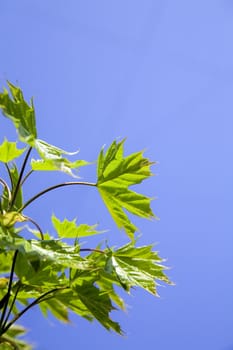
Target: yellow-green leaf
x=137, y=266
x=60, y=164
x=19, y=112
x=115, y=174
x=10, y=218
x=9, y=151
x=69, y=229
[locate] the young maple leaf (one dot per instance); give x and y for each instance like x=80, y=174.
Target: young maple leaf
x=115, y=174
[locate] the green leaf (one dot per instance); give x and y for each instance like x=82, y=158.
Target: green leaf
x=60, y=164
x=56, y=253
x=99, y=305
x=14, y=174
x=9, y=151
x=52, y=159
x=69, y=229
x=106, y=285
x=20, y=113
x=10, y=218
x=70, y=299
x=47, y=151
x=11, y=341
x=56, y=307
x=115, y=174
x=137, y=266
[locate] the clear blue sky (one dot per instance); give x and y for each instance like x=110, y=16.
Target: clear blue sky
x=160, y=73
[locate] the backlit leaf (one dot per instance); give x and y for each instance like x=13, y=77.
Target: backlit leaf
x=69, y=229
x=53, y=159
x=9, y=151
x=19, y=112
x=10, y=218
x=60, y=164
x=14, y=174
x=11, y=340
x=99, y=305
x=137, y=266
x=115, y=174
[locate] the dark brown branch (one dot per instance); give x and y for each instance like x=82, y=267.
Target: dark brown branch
x=12, y=304
x=37, y=226
x=71, y=183
x=35, y=302
x=8, y=292
x=7, y=188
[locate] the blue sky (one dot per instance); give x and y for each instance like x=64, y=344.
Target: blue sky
x=160, y=73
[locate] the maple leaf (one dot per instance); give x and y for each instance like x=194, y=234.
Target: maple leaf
x=115, y=174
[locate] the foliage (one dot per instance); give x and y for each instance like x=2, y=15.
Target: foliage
x=59, y=274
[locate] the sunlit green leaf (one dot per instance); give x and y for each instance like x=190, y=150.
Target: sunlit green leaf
x=14, y=176
x=99, y=305
x=115, y=174
x=69, y=229
x=106, y=285
x=9, y=151
x=57, y=308
x=137, y=266
x=5, y=261
x=60, y=164
x=10, y=218
x=11, y=340
x=60, y=276
x=48, y=151
x=55, y=252
x=19, y=112
x=53, y=159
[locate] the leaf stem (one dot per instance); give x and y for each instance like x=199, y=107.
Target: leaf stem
x=7, y=188
x=71, y=183
x=26, y=176
x=8, y=292
x=37, y=226
x=11, y=307
x=9, y=173
x=20, y=177
x=35, y=302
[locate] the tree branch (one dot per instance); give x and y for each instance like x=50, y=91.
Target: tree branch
x=12, y=304
x=26, y=176
x=35, y=302
x=71, y=183
x=8, y=292
x=37, y=226
x=7, y=188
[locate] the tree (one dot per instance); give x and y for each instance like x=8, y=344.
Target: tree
x=58, y=273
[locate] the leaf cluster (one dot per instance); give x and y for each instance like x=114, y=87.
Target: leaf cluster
x=55, y=270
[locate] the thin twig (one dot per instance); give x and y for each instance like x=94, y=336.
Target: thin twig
x=71, y=183
x=7, y=188
x=11, y=307
x=20, y=176
x=9, y=173
x=37, y=226
x=8, y=291
x=26, y=176
x=35, y=302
